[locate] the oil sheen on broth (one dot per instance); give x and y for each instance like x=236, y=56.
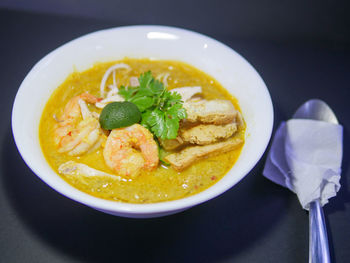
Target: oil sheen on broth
x=164, y=183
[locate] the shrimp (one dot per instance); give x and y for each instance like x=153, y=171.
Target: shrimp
x=73, y=135
x=128, y=150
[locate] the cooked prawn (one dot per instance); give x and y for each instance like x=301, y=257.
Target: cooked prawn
x=74, y=135
x=128, y=150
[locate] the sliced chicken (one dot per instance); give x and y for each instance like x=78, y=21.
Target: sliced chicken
x=210, y=111
x=74, y=168
x=173, y=144
x=191, y=154
x=202, y=134
x=207, y=134
x=187, y=93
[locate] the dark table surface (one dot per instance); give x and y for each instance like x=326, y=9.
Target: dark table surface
x=256, y=221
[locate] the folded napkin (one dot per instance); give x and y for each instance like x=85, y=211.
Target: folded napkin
x=305, y=156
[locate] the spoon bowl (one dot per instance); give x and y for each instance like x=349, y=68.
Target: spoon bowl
x=316, y=109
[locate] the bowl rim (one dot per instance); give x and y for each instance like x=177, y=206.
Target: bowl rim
x=149, y=208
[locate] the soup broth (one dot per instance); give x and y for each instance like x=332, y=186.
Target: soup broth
x=162, y=184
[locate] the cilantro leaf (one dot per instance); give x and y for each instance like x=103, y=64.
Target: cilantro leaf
x=161, y=109
x=172, y=126
x=157, y=87
x=127, y=93
x=174, y=97
x=157, y=123
x=145, y=118
x=173, y=110
x=142, y=103
x=182, y=114
x=145, y=79
x=177, y=111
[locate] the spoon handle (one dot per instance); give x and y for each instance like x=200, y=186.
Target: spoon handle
x=318, y=247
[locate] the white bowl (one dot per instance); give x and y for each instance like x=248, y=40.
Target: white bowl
x=157, y=42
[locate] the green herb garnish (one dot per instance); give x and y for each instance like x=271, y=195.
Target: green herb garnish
x=162, y=154
x=161, y=110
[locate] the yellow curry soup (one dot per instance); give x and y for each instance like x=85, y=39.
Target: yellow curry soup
x=162, y=184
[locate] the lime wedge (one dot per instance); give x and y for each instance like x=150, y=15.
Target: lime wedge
x=119, y=114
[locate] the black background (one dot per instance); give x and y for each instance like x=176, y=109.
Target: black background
x=302, y=51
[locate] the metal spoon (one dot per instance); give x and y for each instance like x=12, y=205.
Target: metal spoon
x=318, y=242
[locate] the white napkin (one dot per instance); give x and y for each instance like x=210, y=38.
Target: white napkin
x=305, y=156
